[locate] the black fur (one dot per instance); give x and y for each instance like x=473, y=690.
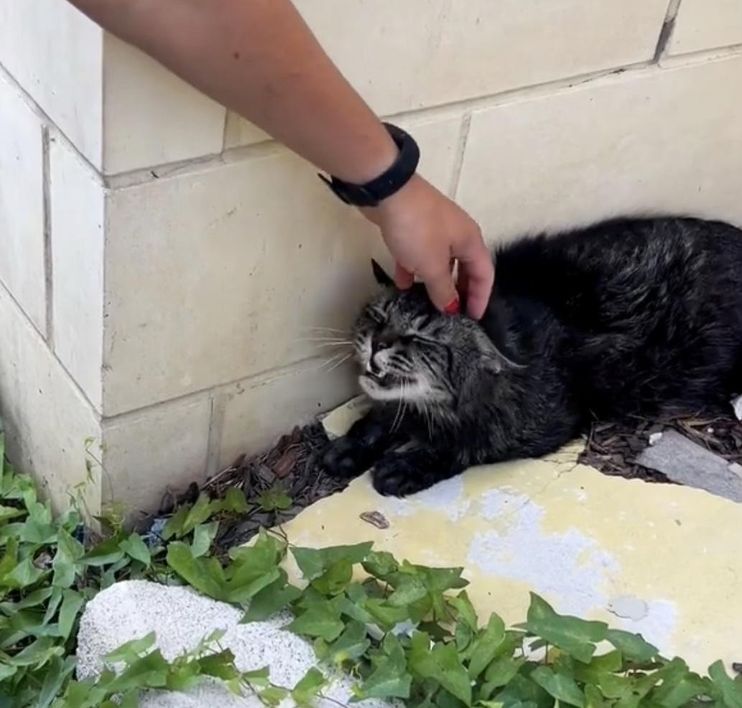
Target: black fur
x=625, y=317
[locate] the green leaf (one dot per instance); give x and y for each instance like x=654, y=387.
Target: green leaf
x=24, y=575
x=132, y=650
x=594, y=698
x=72, y=603
x=314, y=562
x=599, y=666
x=384, y=614
x=69, y=552
x=307, y=689
x=319, y=621
x=274, y=499
x=678, y=691
x=234, y=501
x=352, y=644
x=389, y=679
x=203, y=537
x=148, y=671
x=201, y=512
x=573, y=635
x=441, y=663
x=464, y=610
x=486, y=645
x=409, y=589
x=136, y=548
x=501, y=671
x=105, y=553
x=206, y=575
x=632, y=646
x=38, y=653
x=562, y=687
x=253, y=568
x=8, y=512
x=37, y=597
x=271, y=599
x=174, y=526
x=36, y=533
x=335, y=579
x=731, y=690
x=524, y=693
x=10, y=558
x=273, y=695
x=55, y=674
x=380, y=564
x=258, y=678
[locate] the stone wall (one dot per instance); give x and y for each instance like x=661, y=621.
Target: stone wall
x=162, y=262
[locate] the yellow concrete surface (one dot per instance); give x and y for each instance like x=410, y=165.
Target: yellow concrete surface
x=661, y=560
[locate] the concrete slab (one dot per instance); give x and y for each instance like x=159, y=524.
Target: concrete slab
x=656, y=559
x=661, y=560
x=181, y=619
x=686, y=462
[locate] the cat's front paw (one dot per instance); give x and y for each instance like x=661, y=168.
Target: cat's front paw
x=393, y=476
x=344, y=458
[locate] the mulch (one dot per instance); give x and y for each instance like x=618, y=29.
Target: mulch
x=290, y=468
x=613, y=447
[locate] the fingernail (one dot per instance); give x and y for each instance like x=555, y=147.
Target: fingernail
x=453, y=308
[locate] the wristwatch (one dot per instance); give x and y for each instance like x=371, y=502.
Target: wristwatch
x=386, y=184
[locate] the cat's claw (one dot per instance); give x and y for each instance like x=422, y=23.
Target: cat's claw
x=345, y=459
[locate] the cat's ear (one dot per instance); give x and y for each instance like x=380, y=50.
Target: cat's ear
x=382, y=277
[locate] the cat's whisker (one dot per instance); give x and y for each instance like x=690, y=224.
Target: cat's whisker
x=345, y=340
x=334, y=344
x=329, y=361
x=400, y=408
x=339, y=363
x=326, y=330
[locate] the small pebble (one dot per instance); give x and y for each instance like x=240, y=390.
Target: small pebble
x=375, y=518
x=654, y=438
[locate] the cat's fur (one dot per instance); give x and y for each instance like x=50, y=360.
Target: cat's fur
x=629, y=316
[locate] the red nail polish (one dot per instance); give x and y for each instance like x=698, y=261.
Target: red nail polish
x=453, y=308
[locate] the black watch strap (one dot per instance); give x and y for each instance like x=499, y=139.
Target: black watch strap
x=383, y=186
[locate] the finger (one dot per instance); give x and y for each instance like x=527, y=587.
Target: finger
x=442, y=292
x=403, y=279
x=478, y=273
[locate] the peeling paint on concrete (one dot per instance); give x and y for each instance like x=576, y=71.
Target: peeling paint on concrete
x=579, y=538
x=629, y=607
x=567, y=565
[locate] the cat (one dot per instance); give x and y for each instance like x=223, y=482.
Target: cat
x=631, y=316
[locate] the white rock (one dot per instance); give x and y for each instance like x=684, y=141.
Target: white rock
x=181, y=619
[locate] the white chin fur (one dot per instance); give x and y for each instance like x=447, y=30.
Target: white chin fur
x=417, y=391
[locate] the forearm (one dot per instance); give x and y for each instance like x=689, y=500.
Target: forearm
x=258, y=58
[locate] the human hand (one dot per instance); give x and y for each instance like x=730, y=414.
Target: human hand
x=425, y=231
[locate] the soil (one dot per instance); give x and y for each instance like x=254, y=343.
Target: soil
x=290, y=470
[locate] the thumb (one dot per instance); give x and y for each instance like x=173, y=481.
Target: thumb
x=442, y=292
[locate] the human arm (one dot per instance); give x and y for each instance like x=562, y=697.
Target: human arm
x=259, y=58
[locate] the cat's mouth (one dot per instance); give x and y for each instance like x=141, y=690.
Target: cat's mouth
x=381, y=380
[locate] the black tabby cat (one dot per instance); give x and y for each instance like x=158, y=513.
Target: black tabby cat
x=632, y=316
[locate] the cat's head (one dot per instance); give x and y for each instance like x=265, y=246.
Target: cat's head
x=409, y=351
